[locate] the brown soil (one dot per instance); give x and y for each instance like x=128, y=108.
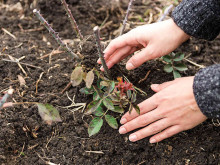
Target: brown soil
x=67, y=142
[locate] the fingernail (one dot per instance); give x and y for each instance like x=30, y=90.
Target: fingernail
x=123, y=121
x=129, y=66
x=154, y=86
x=122, y=130
x=133, y=138
x=153, y=141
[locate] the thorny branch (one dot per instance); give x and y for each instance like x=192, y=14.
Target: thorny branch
x=55, y=35
x=101, y=56
x=126, y=17
x=72, y=19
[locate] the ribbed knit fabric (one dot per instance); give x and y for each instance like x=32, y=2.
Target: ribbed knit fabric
x=206, y=88
x=201, y=19
x=198, y=18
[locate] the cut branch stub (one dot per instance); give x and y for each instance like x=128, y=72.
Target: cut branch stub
x=101, y=56
x=56, y=36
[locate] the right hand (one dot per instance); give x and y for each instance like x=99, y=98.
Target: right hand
x=154, y=40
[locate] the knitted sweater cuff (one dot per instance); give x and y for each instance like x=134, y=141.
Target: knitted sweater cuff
x=198, y=18
x=206, y=88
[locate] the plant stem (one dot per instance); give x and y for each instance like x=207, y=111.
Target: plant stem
x=166, y=12
x=101, y=56
x=126, y=17
x=55, y=35
x=72, y=20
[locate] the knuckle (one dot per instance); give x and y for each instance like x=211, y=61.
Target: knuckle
x=141, y=122
x=154, y=129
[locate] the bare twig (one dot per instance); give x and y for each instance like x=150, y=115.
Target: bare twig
x=23, y=64
x=146, y=76
x=72, y=20
x=67, y=87
x=191, y=62
x=126, y=17
x=54, y=52
x=38, y=82
x=55, y=35
x=166, y=12
x=101, y=56
x=96, y=152
x=7, y=32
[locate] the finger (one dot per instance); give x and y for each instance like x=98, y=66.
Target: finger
x=117, y=56
x=127, y=39
x=140, y=121
x=150, y=130
x=8, y=104
x=145, y=106
x=141, y=57
x=166, y=134
x=159, y=87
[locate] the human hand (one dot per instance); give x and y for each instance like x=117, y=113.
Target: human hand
x=154, y=40
x=171, y=110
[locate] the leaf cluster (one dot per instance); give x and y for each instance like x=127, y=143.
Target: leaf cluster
x=108, y=96
x=174, y=64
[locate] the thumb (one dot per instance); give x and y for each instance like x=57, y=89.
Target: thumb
x=159, y=87
x=139, y=58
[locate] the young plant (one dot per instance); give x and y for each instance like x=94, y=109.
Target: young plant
x=174, y=64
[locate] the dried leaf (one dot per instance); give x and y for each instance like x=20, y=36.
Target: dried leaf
x=104, y=83
x=89, y=79
x=48, y=113
x=21, y=80
x=95, y=126
x=77, y=76
x=108, y=103
x=111, y=121
x=92, y=107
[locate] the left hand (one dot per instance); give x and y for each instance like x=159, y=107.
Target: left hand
x=171, y=110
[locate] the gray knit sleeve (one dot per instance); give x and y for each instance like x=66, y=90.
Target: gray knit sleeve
x=206, y=88
x=198, y=18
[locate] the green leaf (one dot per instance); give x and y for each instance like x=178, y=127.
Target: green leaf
x=95, y=126
x=136, y=107
x=92, y=107
x=89, y=79
x=176, y=74
x=76, y=76
x=96, y=96
x=129, y=94
x=86, y=90
x=133, y=97
x=178, y=57
x=48, y=113
x=108, y=103
x=99, y=111
x=168, y=68
x=111, y=87
x=180, y=67
x=111, y=121
x=167, y=58
x=118, y=109
x=130, y=108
